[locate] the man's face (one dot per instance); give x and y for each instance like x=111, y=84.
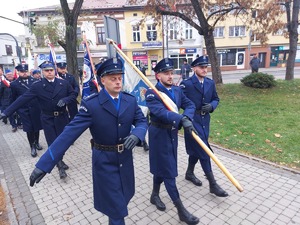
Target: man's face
x=166, y=78
x=62, y=70
x=10, y=76
x=37, y=75
x=49, y=73
x=112, y=84
x=200, y=71
x=23, y=74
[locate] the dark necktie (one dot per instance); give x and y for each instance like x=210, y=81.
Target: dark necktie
x=26, y=81
x=116, y=100
x=201, y=83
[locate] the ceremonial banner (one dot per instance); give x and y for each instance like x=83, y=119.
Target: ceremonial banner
x=52, y=57
x=133, y=84
x=88, y=73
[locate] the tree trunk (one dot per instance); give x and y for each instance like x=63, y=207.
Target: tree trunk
x=293, y=38
x=213, y=58
x=71, y=51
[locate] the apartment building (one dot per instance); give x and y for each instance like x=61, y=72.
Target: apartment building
x=12, y=51
x=236, y=45
x=148, y=42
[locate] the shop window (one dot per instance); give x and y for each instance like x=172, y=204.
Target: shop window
x=228, y=59
x=178, y=59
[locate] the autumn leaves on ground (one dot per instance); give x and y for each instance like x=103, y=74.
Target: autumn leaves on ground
x=3, y=211
x=259, y=122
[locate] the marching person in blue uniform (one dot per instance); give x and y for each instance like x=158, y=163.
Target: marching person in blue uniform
x=52, y=96
x=163, y=137
x=36, y=74
x=202, y=91
x=62, y=72
x=6, y=99
x=110, y=115
x=30, y=111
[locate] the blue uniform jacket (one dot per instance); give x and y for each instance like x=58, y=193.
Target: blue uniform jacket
x=47, y=98
x=192, y=89
x=72, y=81
x=113, y=173
x=30, y=112
x=72, y=107
x=163, y=142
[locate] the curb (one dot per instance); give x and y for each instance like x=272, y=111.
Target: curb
x=257, y=159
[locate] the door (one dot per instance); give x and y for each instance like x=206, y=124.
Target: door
x=262, y=58
x=240, y=60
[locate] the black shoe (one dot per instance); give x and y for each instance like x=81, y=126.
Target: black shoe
x=191, y=177
x=145, y=146
x=5, y=120
x=62, y=173
x=14, y=129
x=64, y=165
x=217, y=190
x=214, y=188
x=184, y=215
x=38, y=147
x=155, y=200
x=33, y=152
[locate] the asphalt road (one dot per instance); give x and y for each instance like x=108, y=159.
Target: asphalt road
x=237, y=75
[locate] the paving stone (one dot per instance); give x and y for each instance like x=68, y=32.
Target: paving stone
x=270, y=196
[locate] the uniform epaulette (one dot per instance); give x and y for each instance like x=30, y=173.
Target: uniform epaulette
x=36, y=81
x=208, y=78
x=87, y=98
x=126, y=93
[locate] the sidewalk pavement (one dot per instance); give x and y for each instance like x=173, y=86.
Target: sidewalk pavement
x=271, y=193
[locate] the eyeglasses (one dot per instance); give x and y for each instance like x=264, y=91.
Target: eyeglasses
x=47, y=70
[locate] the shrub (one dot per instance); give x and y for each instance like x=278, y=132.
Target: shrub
x=259, y=80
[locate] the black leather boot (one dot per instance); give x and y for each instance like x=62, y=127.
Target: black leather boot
x=184, y=215
x=61, y=170
x=189, y=175
x=155, y=199
x=65, y=166
x=214, y=188
x=36, y=140
x=33, y=150
x=37, y=146
x=145, y=146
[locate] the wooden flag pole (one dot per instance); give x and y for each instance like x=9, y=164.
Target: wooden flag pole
x=195, y=136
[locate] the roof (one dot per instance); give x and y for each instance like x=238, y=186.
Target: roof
x=100, y=4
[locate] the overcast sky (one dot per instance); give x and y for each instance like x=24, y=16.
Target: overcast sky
x=10, y=9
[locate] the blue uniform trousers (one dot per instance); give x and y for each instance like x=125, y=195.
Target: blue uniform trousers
x=170, y=185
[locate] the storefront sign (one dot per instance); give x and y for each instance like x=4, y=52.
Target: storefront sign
x=190, y=50
x=152, y=44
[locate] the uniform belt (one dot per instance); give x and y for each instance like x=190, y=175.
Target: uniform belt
x=161, y=125
x=54, y=113
x=110, y=148
x=198, y=111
